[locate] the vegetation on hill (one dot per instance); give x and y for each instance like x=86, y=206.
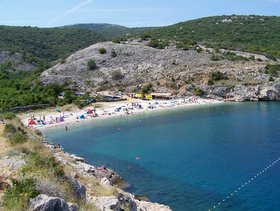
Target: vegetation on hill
x=259, y=34
x=48, y=44
x=19, y=89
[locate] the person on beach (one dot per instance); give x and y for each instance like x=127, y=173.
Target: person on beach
x=66, y=128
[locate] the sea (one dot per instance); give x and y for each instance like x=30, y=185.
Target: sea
x=206, y=157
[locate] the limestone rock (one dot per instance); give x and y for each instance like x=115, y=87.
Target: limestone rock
x=46, y=203
x=79, y=188
x=106, y=203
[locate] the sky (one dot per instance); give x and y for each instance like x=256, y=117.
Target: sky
x=51, y=13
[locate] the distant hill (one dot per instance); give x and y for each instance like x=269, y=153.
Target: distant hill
x=108, y=31
x=46, y=43
x=258, y=34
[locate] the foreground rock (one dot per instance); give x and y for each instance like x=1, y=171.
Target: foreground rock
x=46, y=203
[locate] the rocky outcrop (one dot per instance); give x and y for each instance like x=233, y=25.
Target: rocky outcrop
x=241, y=93
x=9, y=165
x=78, y=188
x=45, y=203
x=168, y=70
x=106, y=203
x=135, y=63
x=16, y=62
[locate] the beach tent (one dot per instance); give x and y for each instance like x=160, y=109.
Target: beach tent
x=32, y=122
x=89, y=111
x=82, y=117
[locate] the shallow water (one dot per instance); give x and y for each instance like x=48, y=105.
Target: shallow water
x=191, y=158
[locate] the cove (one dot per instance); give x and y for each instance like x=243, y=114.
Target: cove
x=188, y=158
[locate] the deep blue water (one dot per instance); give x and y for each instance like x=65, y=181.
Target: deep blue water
x=191, y=158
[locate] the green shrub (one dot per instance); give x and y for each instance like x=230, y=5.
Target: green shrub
x=113, y=53
x=145, y=36
x=217, y=75
x=272, y=69
x=210, y=82
x=147, y=88
x=36, y=162
x=18, y=195
x=117, y=75
x=17, y=138
x=9, y=129
x=9, y=115
x=102, y=50
x=91, y=65
x=271, y=78
x=199, y=92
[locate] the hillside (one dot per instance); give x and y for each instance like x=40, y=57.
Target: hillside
x=134, y=67
x=108, y=31
x=47, y=44
x=259, y=34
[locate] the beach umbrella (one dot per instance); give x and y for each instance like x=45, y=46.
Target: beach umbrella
x=32, y=122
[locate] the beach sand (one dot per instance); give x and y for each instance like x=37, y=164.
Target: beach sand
x=71, y=114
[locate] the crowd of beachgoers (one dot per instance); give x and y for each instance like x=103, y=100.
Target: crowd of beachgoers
x=59, y=117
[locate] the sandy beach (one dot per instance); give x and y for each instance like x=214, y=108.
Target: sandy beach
x=70, y=115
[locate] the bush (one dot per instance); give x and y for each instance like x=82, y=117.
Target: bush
x=102, y=50
x=9, y=129
x=210, y=82
x=113, y=53
x=91, y=65
x=147, y=88
x=117, y=75
x=217, y=75
x=271, y=78
x=199, y=92
x=272, y=69
x=19, y=194
x=17, y=138
x=37, y=162
x=9, y=115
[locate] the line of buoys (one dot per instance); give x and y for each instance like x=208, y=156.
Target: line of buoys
x=245, y=184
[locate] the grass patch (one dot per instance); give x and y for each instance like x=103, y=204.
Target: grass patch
x=36, y=162
x=15, y=135
x=18, y=195
x=8, y=116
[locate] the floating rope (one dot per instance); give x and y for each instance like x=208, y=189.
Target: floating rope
x=244, y=184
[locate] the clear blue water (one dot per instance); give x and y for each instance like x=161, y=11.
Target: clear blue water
x=191, y=158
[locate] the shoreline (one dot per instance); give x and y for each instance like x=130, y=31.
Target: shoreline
x=109, y=111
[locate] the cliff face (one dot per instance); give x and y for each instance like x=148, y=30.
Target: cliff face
x=128, y=66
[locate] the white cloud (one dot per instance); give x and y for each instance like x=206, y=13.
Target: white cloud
x=70, y=11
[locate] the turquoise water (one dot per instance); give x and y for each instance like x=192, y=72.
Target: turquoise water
x=191, y=158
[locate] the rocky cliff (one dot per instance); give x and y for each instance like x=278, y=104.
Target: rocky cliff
x=131, y=65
